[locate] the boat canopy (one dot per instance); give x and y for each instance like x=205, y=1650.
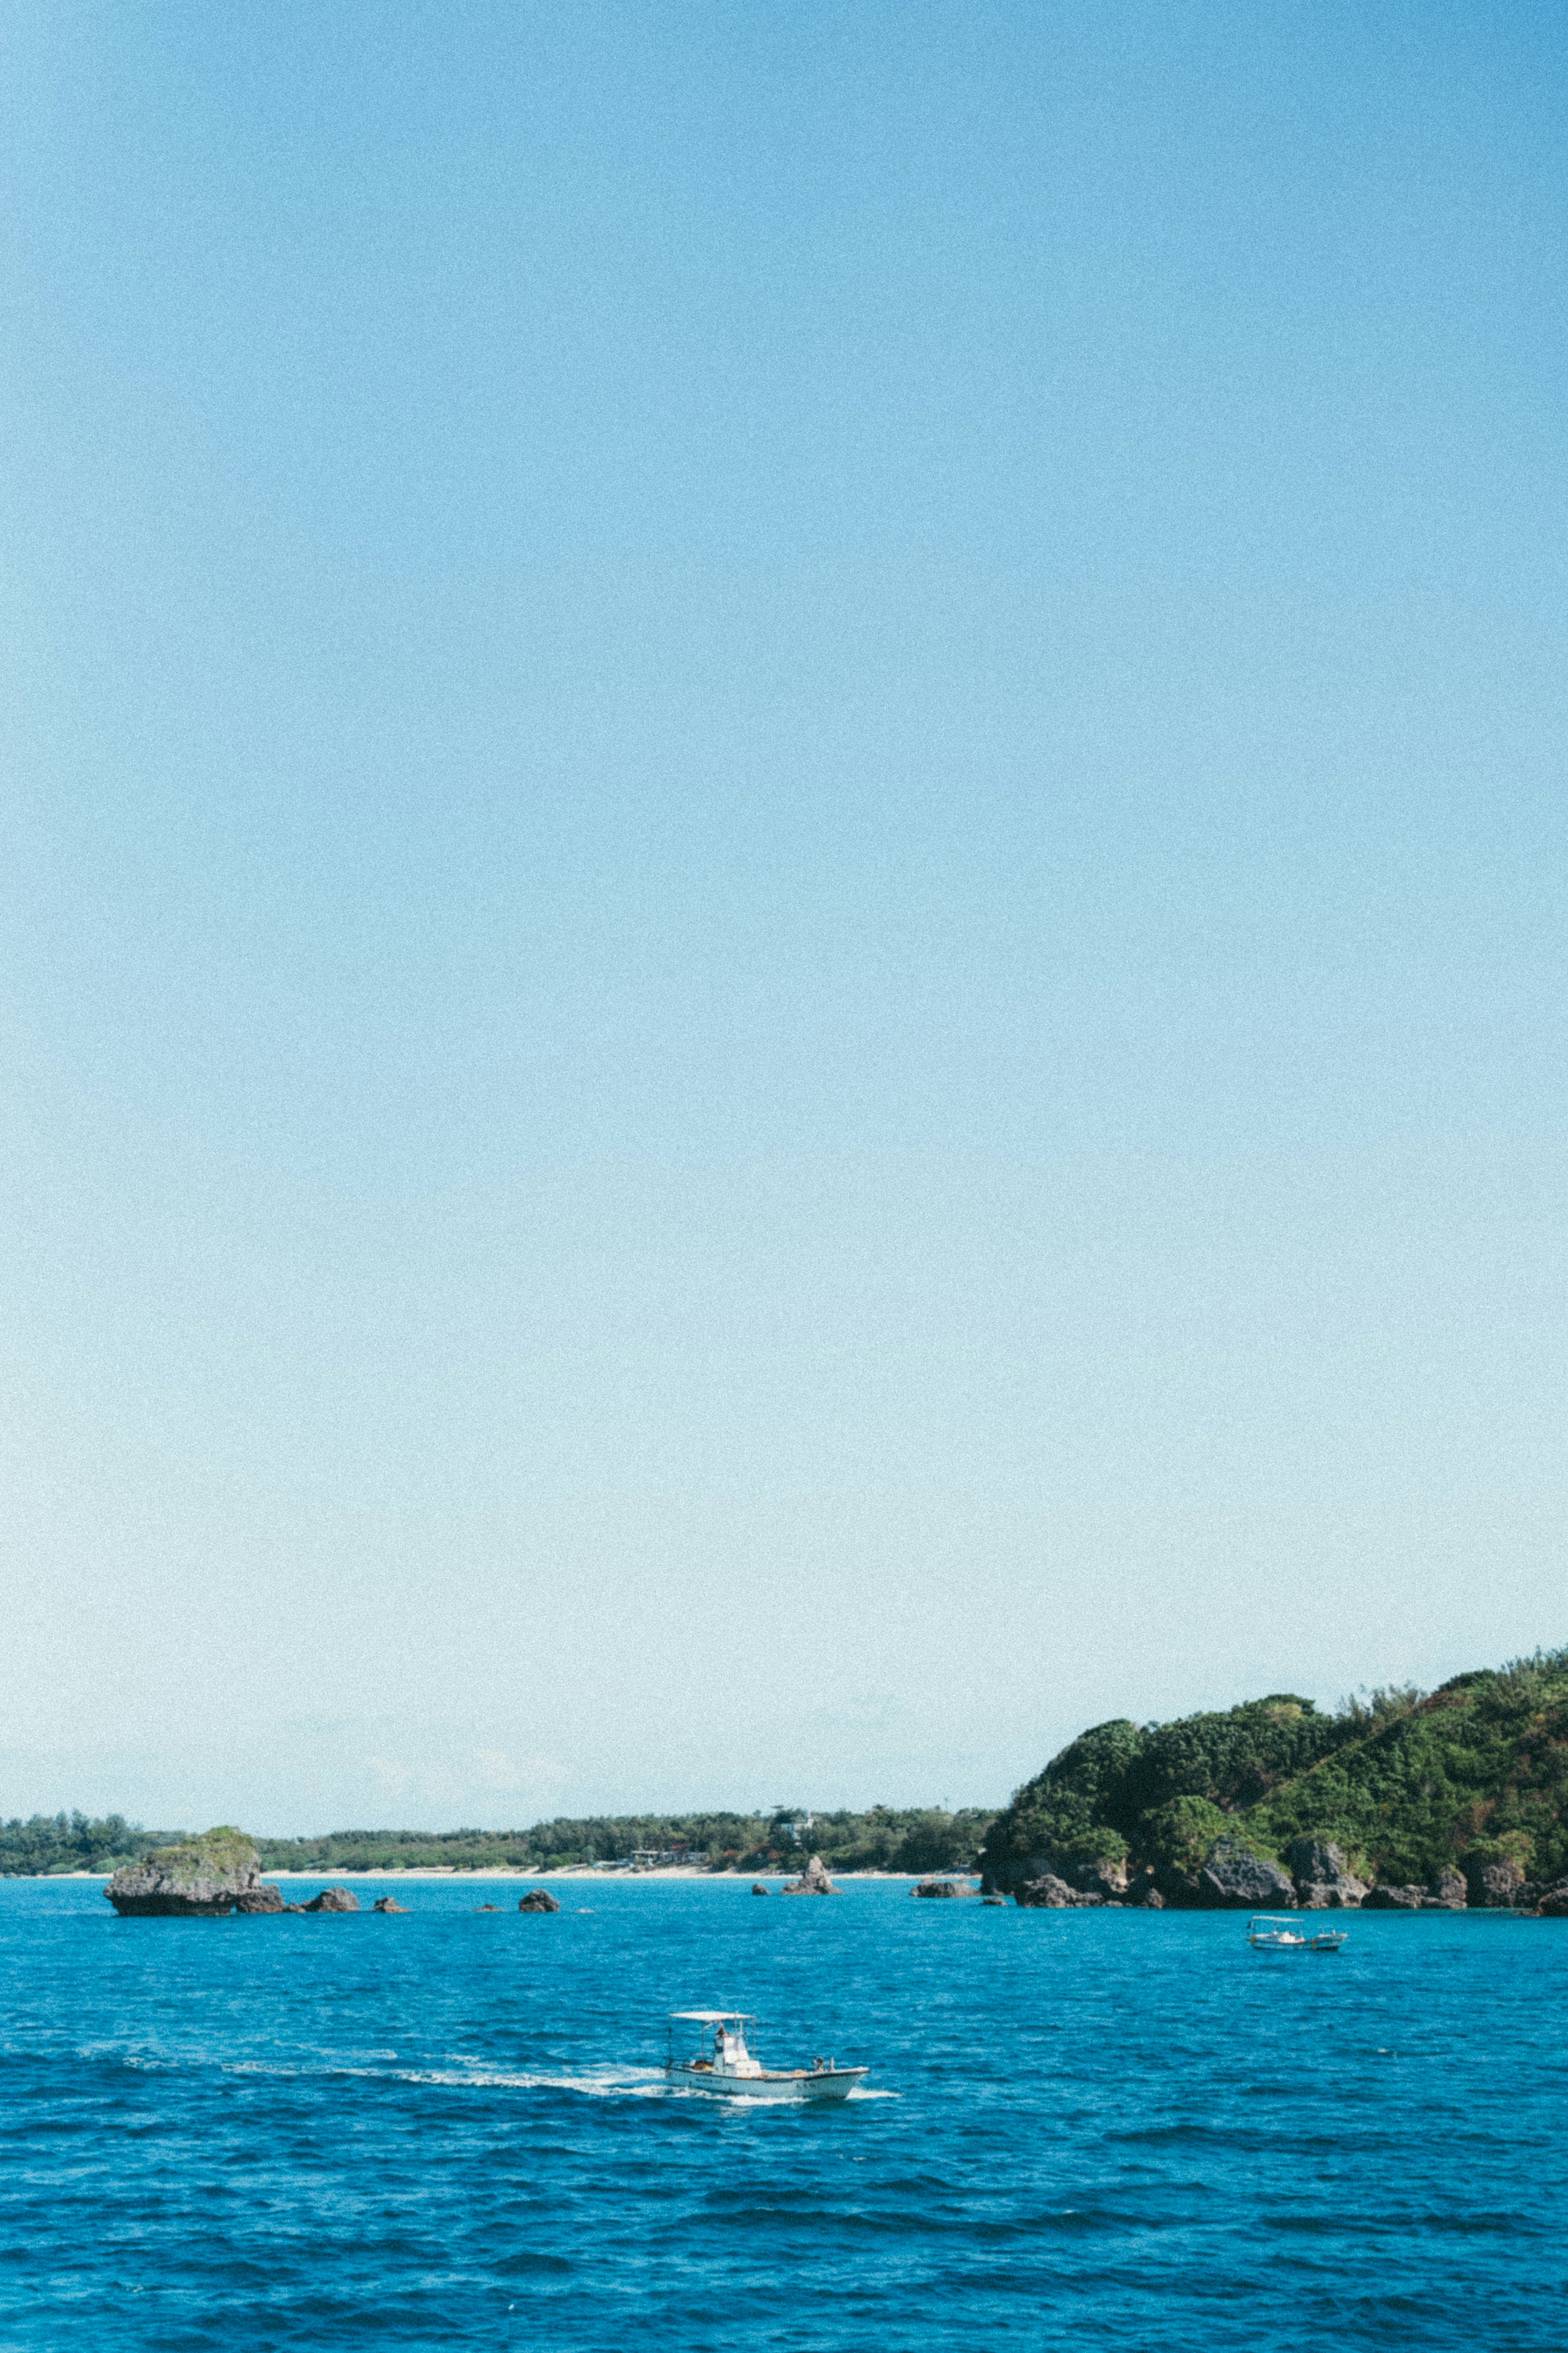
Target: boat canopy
x=715, y=2016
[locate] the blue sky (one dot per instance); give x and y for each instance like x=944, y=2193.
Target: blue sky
x=783, y=888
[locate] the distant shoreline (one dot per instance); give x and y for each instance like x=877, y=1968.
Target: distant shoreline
x=582, y=1871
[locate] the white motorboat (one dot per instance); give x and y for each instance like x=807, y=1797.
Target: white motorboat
x=1279, y=1931
x=720, y=2061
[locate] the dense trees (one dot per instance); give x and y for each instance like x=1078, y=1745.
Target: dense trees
x=57, y=1843
x=883, y=1839
x=886, y=1839
x=1405, y=1782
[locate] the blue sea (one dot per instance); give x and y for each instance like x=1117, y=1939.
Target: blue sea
x=1081, y=2128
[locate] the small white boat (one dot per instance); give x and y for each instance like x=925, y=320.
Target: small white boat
x=1279, y=1931
x=721, y=2062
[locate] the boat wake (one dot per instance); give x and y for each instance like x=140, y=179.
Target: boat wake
x=599, y=2083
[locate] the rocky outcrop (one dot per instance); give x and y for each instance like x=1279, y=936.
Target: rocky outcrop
x=813, y=1881
x=391, y=1904
x=1108, y=1880
x=265, y=1898
x=758, y=1889
x=1444, y=1894
x=1049, y=1893
x=1494, y=1886
x=934, y=1885
x=1234, y=1879
x=206, y=1878
x=1323, y=1882
x=993, y=1899
x=334, y=1899
x=1104, y=1878
x=1554, y=1904
x=539, y=1899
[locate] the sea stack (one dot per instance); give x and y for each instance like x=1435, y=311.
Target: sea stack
x=539, y=1899
x=813, y=1881
x=204, y=1879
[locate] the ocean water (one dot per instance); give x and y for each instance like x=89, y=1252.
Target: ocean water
x=1082, y=2128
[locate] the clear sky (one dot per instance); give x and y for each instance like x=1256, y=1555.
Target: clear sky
x=783, y=876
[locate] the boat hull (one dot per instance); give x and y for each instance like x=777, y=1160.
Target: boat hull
x=788, y=2084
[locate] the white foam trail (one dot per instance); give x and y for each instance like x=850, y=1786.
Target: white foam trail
x=639, y=2083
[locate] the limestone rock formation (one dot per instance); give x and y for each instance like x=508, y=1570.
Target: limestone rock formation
x=1049, y=1893
x=813, y=1881
x=539, y=1899
x=1323, y=1882
x=758, y=1889
x=1233, y=1879
x=1104, y=1878
x=334, y=1899
x=1383, y=1898
x=391, y=1904
x=1494, y=1886
x=933, y=1885
x=206, y=1878
x=1447, y=1891
x=1554, y=1904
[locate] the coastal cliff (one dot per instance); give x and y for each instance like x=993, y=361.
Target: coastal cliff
x=1413, y=1801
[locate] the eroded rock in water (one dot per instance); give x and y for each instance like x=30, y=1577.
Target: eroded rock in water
x=539, y=1899
x=1049, y=1893
x=1447, y=1893
x=205, y=1878
x=758, y=1889
x=934, y=1885
x=1104, y=1878
x=264, y=1898
x=1494, y=1886
x=1323, y=1881
x=1383, y=1898
x=813, y=1881
x=1554, y=1904
x=334, y=1899
x=391, y=1904
x=1234, y=1879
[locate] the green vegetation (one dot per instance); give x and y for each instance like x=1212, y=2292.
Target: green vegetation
x=51, y=1843
x=883, y=1839
x=1405, y=1782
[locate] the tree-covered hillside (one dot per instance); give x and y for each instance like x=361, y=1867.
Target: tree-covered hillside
x=1407, y=1784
